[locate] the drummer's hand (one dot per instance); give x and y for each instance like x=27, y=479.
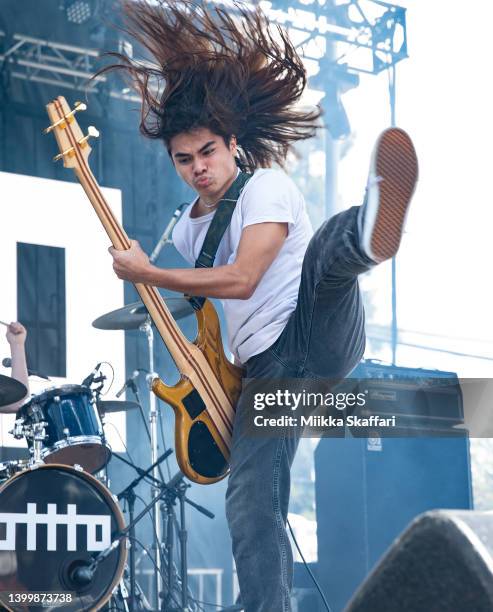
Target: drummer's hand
x=131, y=264
x=16, y=334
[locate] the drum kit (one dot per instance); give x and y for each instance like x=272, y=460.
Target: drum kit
x=63, y=536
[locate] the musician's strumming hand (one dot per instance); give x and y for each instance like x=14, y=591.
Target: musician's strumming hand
x=16, y=334
x=132, y=264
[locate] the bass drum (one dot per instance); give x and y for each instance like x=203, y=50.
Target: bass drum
x=55, y=519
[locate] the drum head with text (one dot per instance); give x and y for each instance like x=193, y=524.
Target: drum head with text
x=53, y=520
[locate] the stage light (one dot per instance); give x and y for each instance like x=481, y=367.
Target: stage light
x=78, y=11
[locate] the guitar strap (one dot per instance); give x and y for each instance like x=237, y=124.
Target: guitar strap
x=217, y=228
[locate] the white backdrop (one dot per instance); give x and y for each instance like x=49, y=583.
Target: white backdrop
x=55, y=213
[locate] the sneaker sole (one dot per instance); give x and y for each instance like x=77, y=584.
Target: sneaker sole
x=397, y=165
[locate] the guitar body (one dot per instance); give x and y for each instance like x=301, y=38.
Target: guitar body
x=204, y=399
x=200, y=450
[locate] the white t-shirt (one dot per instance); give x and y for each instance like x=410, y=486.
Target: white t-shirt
x=269, y=196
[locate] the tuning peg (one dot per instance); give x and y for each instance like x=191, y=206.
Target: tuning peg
x=92, y=132
x=79, y=106
x=61, y=155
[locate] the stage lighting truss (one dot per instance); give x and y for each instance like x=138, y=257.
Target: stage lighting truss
x=368, y=36
x=43, y=61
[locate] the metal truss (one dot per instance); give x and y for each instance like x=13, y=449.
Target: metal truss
x=363, y=45
x=371, y=33
x=53, y=63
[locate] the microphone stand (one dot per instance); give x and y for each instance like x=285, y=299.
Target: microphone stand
x=175, y=488
x=167, y=233
x=157, y=474
x=148, y=478
x=146, y=327
x=170, y=497
x=152, y=429
x=128, y=494
x=158, y=483
x=84, y=574
x=170, y=500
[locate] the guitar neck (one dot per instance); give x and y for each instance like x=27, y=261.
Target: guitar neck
x=169, y=331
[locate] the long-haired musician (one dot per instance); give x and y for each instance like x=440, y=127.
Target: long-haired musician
x=222, y=94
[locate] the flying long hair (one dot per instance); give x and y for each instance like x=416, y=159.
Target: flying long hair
x=220, y=70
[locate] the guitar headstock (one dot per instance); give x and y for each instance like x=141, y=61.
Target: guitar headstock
x=73, y=145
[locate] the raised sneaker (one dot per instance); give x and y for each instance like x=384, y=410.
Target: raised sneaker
x=391, y=183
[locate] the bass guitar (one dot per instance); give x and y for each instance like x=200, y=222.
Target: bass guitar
x=204, y=398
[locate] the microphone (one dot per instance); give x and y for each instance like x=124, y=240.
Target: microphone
x=87, y=382
x=7, y=363
x=129, y=382
x=167, y=232
x=81, y=574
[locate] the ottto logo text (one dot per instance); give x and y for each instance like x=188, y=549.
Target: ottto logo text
x=94, y=541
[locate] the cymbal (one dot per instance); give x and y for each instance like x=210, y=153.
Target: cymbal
x=116, y=406
x=11, y=390
x=132, y=316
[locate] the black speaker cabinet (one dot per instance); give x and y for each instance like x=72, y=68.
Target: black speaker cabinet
x=442, y=563
x=369, y=490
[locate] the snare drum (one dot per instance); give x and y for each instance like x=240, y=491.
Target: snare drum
x=56, y=519
x=74, y=433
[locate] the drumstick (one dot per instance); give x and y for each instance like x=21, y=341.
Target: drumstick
x=6, y=324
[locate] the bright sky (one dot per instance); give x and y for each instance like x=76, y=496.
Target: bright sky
x=444, y=99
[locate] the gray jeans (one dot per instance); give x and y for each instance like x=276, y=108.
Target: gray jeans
x=324, y=337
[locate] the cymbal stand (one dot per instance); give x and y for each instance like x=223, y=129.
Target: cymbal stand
x=156, y=512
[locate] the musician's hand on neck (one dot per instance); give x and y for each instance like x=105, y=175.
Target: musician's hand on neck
x=132, y=264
